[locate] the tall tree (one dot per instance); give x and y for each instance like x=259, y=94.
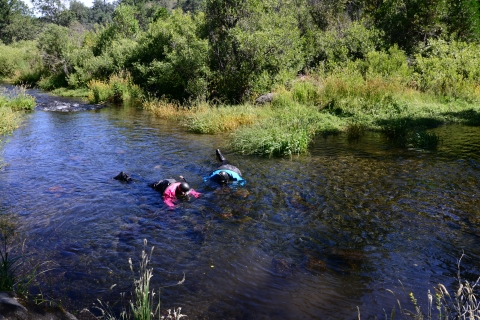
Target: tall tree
x=463, y=19
x=325, y=12
x=101, y=12
x=193, y=5
x=407, y=22
x=16, y=21
x=79, y=11
x=253, y=45
x=50, y=10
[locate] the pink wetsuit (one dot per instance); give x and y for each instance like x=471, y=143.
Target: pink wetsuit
x=169, y=194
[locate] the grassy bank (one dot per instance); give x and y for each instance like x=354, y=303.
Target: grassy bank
x=336, y=103
x=386, y=91
x=12, y=105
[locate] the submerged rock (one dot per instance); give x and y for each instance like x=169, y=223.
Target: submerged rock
x=14, y=308
x=122, y=176
x=61, y=106
x=282, y=268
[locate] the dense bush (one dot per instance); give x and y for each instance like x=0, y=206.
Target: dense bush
x=19, y=60
x=253, y=45
x=450, y=69
x=336, y=46
x=171, y=58
x=118, y=88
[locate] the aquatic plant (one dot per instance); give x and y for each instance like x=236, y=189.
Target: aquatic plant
x=142, y=306
x=355, y=130
x=15, y=274
x=463, y=305
x=285, y=128
x=8, y=264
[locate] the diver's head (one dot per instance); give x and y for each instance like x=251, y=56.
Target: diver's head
x=182, y=189
x=223, y=177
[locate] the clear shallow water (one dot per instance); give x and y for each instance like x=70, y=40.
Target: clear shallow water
x=317, y=236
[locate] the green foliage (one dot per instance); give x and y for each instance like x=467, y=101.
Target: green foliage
x=117, y=89
x=12, y=103
x=171, y=59
x=99, y=91
x=450, y=69
x=336, y=47
x=390, y=64
x=17, y=22
x=101, y=12
x=20, y=62
x=286, y=128
x=305, y=92
x=253, y=45
x=50, y=10
x=463, y=19
x=326, y=13
x=17, y=99
x=218, y=119
x=143, y=305
x=408, y=22
x=58, y=46
x=9, y=119
x=124, y=26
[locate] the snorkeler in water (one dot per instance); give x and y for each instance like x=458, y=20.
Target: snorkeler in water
x=226, y=173
x=172, y=190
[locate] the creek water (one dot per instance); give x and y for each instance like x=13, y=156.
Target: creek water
x=319, y=236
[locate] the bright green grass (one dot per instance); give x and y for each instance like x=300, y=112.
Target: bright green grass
x=12, y=104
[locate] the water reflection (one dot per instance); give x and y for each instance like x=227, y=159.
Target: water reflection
x=315, y=236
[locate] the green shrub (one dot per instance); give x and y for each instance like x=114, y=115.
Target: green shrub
x=172, y=58
x=448, y=69
x=99, y=91
x=118, y=88
x=20, y=62
x=9, y=120
x=253, y=46
x=391, y=64
x=336, y=46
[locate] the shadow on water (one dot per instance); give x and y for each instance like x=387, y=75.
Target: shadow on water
x=309, y=237
x=467, y=117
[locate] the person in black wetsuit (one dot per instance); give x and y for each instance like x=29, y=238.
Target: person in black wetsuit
x=225, y=173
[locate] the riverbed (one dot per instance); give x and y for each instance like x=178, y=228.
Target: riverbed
x=316, y=236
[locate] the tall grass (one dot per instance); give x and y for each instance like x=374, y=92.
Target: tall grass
x=464, y=304
x=12, y=103
x=143, y=305
x=117, y=89
x=203, y=117
x=385, y=91
x=16, y=274
x=8, y=265
x=287, y=126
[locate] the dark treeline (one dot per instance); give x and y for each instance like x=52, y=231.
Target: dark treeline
x=226, y=50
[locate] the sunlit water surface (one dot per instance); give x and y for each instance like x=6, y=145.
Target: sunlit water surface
x=309, y=237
